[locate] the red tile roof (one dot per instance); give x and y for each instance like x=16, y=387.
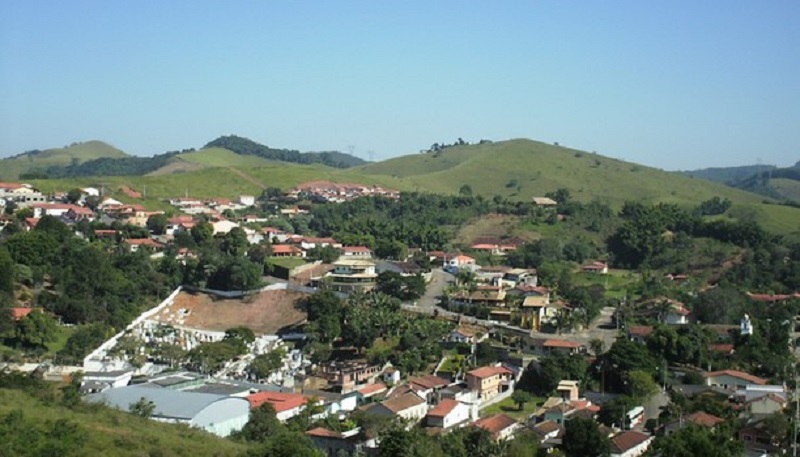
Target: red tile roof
x=285, y=249
x=704, y=419
x=640, y=330
x=144, y=242
x=19, y=313
x=625, y=441
x=444, y=408
x=357, y=249
x=768, y=297
x=429, y=382
x=487, y=372
x=372, y=389
x=737, y=374
x=554, y=343
x=725, y=348
x=281, y=401
x=323, y=433
x=495, y=424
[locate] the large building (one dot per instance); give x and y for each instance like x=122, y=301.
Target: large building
x=351, y=275
x=217, y=414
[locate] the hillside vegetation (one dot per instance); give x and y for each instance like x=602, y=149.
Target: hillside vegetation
x=41, y=426
x=39, y=161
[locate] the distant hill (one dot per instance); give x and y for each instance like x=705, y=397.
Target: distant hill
x=96, y=158
x=38, y=161
x=728, y=175
x=515, y=169
x=245, y=146
x=777, y=183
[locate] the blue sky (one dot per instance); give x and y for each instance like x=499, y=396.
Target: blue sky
x=676, y=85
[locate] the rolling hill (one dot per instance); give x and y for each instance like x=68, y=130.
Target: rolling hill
x=39, y=161
x=515, y=169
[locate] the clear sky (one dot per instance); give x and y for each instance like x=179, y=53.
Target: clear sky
x=677, y=84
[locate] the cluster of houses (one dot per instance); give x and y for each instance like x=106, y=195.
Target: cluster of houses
x=338, y=192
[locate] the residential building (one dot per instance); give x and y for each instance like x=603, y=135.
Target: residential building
x=361, y=252
x=489, y=382
x=630, y=444
x=351, y=275
x=501, y=426
x=677, y=314
x=409, y=406
x=338, y=444
x=460, y=261
x=700, y=418
x=568, y=390
x=600, y=268
x=135, y=244
x=286, y=405
x=732, y=379
x=217, y=414
x=448, y=413
x=639, y=333
x=759, y=436
x=348, y=376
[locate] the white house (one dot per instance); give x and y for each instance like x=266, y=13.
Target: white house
x=745, y=326
x=677, y=314
x=247, y=200
x=501, y=427
x=630, y=444
x=223, y=227
x=460, y=261
x=448, y=413
x=732, y=379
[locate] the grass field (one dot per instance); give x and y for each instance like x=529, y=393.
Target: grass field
x=508, y=407
x=789, y=188
x=116, y=433
x=11, y=168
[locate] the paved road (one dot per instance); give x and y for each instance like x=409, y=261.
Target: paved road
x=439, y=280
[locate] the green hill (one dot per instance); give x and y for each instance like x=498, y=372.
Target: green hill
x=38, y=161
x=96, y=430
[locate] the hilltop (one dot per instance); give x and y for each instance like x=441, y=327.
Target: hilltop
x=38, y=161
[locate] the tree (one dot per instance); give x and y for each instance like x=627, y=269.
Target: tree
x=524, y=444
x=7, y=273
x=235, y=243
x=693, y=440
x=582, y=438
x=465, y=190
x=520, y=397
x=157, y=224
x=202, y=233
x=641, y=385
x=142, y=408
x=286, y=444
x=262, y=424
x=36, y=330
x=264, y=365
x=74, y=195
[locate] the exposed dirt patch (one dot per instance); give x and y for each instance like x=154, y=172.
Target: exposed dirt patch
x=176, y=166
x=499, y=226
x=130, y=192
x=264, y=313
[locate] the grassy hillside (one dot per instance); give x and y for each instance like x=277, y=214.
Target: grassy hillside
x=788, y=188
x=523, y=169
x=110, y=432
x=12, y=167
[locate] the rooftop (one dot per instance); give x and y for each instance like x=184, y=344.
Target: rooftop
x=402, y=402
x=486, y=372
x=496, y=423
x=625, y=441
x=444, y=408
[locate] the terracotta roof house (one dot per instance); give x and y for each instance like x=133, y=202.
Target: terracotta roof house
x=501, y=427
x=19, y=313
x=427, y=386
x=700, y=418
x=287, y=405
x=596, y=268
x=489, y=382
x=135, y=244
x=630, y=444
x=409, y=406
x=731, y=379
x=448, y=413
x=287, y=250
x=357, y=251
x=334, y=444
x=639, y=333
x=556, y=345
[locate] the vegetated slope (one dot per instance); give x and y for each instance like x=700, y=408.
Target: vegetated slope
x=246, y=146
x=524, y=168
x=37, y=161
x=727, y=175
x=108, y=432
x=787, y=188
x=778, y=183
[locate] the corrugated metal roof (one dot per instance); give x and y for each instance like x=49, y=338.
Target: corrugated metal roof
x=168, y=403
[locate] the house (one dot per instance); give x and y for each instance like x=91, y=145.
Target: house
x=565, y=346
x=459, y=261
x=351, y=275
x=745, y=326
x=79, y=213
x=725, y=349
x=135, y=244
x=489, y=382
x=677, y=314
x=700, y=418
x=287, y=250
x=217, y=414
x=428, y=386
x=485, y=295
x=600, y=268
x=337, y=444
x=547, y=430
x=759, y=436
x=630, y=444
x=639, y=333
x=223, y=227
x=731, y=379
x=568, y=390
x=409, y=406
x=391, y=376
x=500, y=426
x=546, y=202
x=347, y=376
x=368, y=393
x=286, y=405
x=766, y=404
x=361, y=252
x=310, y=242
x=468, y=334
x=448, y=413
x=247, y=200
x=17, y=314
